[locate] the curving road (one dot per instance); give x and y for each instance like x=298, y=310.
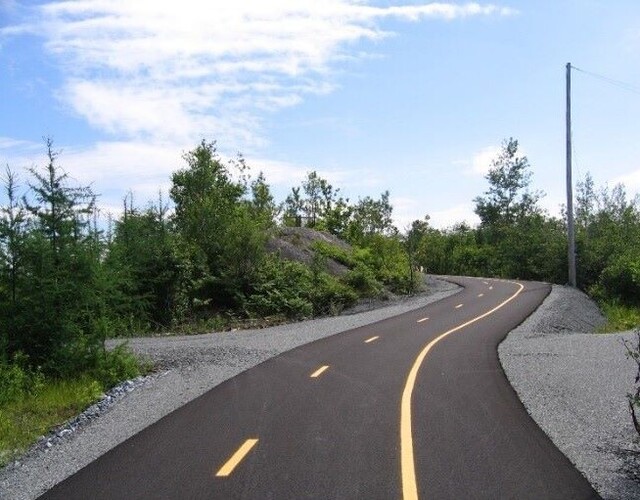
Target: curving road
x=415, y=406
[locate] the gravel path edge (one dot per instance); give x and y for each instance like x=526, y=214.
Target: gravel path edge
x=573, y=383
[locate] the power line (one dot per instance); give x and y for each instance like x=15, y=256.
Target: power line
x=616, y=83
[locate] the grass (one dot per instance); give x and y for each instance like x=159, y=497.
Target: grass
x=620, y=317
x=24, y=420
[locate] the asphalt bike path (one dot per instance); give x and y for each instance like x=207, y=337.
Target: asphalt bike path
x=414, y=406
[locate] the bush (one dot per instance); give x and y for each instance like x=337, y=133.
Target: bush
x=112, y=367
x=17, y=380
x=296, y=291
x=363, y=280
x=334, y=252
x=621, y=279
x=330, y=296
x=281, y=288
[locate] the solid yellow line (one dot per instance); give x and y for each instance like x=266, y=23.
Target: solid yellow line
x=319, y=371
x=372, y=339
x=407, y=463
x=423, y=319
x=236, y=458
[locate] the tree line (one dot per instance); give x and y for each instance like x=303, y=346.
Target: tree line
x=68, y=282
x=198, y=260
x=516, y=238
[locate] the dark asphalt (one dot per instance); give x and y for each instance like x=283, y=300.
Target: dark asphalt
x=338, y=435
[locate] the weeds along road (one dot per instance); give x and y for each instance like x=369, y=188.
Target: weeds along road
x=415, y=406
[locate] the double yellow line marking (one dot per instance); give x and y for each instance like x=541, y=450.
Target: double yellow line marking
x=407, y=461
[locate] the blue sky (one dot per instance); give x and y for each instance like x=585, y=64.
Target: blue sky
x=414, y=97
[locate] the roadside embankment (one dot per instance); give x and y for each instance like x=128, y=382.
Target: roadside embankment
x=573, y=383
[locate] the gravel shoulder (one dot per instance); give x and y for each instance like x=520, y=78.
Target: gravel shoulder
x=574, y=383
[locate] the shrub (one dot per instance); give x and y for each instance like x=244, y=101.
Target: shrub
x=334, y=252
x=281, y=287
x=330, y=296
x=621, y=279
x=17, y=380
x=363, y=280
x=112, y=367
x=296, y=291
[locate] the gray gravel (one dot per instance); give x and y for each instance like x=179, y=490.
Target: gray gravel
x=573, y=383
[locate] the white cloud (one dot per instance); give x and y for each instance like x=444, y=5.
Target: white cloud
x=279, y=173
x=198, y=68
x=158, y=76
x=406, y=210
x=445, y=218
x=138, y=163
x=480, y=162
x=631, y=181
x=483, y=159
x=8, y=143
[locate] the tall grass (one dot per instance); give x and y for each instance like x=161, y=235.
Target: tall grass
x=32, y=405
x=620, y=317
x=24, y=420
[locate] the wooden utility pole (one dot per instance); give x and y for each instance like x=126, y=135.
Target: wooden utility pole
x=571, y=235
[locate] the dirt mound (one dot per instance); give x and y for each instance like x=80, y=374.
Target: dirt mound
x=297, y=243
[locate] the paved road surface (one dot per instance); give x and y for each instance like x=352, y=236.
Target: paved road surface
x=384, y=411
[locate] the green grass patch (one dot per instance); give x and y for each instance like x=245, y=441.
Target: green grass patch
x=334, y=252
x=24, y=420
x=31, y=404
x=620, y=317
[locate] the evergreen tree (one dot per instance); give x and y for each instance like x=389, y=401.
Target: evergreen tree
x=57, y=320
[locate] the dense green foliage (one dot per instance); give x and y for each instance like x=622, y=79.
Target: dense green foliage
x=54, y=290
x=67, y=283
x=517, y=239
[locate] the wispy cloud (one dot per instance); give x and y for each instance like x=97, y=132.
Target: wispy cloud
x=155, y=77
x=483, y=160
x=631, y=181
x=182, y=70
x=443, y=219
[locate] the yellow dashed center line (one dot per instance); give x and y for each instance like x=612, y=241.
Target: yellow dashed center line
x=422, y=320
x=236, y=458
x=319, y=371
x=459, y=306
x=372, y=339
